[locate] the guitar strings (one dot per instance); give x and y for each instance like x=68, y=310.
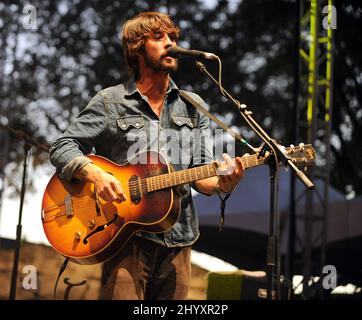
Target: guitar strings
x=77, y=203
x=154, y=183
x=145, y=185
x=105, y=206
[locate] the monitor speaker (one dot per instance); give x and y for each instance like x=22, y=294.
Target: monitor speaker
x=240, y=285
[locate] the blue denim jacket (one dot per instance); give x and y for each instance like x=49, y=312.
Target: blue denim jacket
x=118, y=123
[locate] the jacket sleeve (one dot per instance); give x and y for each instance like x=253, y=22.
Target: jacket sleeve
x=67, y=153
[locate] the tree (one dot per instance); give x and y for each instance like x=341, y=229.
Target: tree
x=50, y=73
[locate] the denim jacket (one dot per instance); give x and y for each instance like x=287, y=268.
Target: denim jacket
x=118, y=122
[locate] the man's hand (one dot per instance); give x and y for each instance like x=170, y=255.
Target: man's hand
x=230, y=173
x=105, y=185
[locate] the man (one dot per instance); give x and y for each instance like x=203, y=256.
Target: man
x=150, y=266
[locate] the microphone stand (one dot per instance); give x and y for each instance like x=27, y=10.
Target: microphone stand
x=273, y=255
x=27, y=148
x=14, y=275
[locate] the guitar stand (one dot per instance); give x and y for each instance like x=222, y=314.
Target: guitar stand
x=70, y=285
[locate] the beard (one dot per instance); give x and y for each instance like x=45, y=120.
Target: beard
x=160, y=65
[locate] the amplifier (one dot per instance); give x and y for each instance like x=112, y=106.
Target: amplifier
x=240, y=285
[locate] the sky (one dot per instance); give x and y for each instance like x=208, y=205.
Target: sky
x=32, y=229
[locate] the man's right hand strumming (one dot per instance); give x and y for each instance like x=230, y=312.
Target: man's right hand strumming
x=106, y=186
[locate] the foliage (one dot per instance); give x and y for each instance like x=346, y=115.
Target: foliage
x=49, y=74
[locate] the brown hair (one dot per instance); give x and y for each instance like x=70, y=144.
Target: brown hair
x=137, y=29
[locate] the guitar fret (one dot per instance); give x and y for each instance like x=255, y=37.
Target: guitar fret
x=197, y=173
x=213, y=170
x=172, y=180
x=147, y=185
x=168, y=180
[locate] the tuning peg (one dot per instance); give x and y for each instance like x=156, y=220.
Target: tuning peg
x=290, y=150
x=301, y=146
x=305, y=165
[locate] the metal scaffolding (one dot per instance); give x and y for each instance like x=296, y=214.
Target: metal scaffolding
x=313, y=125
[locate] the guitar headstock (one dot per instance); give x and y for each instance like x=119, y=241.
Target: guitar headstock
x=303, y=155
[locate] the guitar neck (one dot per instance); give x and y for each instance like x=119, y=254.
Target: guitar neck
x=197, y=173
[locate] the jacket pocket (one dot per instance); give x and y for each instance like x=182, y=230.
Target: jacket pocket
x=180, y=120
x=130, y=122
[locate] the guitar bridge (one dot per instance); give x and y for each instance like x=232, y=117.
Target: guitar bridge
x=68, y=206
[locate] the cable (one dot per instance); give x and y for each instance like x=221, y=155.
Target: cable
x=61, y=270
x=260, y=132
x=222, y=90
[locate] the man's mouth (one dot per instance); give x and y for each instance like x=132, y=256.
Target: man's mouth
x=166, y=55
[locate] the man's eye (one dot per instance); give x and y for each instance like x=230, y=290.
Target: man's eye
x=173, y=37
x=158, y=36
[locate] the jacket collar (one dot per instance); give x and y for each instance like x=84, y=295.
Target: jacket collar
x=131, y=88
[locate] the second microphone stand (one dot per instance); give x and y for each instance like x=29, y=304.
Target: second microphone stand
x=28, y=143
x=277, y=155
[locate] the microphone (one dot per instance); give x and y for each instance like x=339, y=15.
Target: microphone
x=178, y=52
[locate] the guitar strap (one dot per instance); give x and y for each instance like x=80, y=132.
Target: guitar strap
x=233, y=133
x=198, y=106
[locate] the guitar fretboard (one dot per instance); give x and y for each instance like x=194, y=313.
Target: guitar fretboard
x=172, y=179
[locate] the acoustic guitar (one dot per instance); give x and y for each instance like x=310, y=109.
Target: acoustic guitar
x=87, y=230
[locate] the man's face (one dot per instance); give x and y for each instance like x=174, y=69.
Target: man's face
x=155, y=52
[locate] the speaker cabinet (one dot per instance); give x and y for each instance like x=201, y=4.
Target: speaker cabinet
x=240, y=285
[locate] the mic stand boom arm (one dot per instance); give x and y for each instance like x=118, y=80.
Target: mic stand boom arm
x=273, y=260
x=246, y=114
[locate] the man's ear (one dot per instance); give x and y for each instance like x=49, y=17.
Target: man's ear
x=140, y=60
x=141, y=50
